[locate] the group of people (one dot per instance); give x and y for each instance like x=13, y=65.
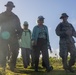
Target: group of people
x=13, y=37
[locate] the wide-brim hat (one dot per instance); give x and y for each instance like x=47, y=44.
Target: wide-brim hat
x=63, y=15
x=10, y=3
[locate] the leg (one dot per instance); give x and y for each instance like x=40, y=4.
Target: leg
x=72, y=50
x=32, y=58
x=36, y=54
x=64, y=54
x=43, y=64
x=45, y=57
x=28, y=56
x=23, y=51
x=72, y=54
x=3, y=53
x=14, y=53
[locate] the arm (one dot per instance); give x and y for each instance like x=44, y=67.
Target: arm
x=74, y=32
x=49, y=47
x=2, y=18
x=59, y=31
x=47, y=36
x=18, y=28
x=33, y=36
x=48, y=43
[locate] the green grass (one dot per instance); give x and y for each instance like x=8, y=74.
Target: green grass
x=58, y=70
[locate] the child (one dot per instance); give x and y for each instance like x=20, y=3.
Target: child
x=25, y=44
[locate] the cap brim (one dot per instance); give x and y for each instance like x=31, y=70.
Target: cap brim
x=25, y=24
x=41, y=18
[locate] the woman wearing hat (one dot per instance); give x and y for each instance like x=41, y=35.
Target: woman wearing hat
x=66, y=31
x=40, y=39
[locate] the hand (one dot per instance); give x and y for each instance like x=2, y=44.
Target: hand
x=33, y=43
x=69, y=32
x=49, y=47
x=74, y=34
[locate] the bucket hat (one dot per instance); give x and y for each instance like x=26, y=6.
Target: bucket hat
x=10, y=3
x=63, y=15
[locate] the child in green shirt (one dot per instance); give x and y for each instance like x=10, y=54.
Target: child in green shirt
x=25, y=44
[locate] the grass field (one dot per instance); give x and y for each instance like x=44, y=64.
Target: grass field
x=30, y=71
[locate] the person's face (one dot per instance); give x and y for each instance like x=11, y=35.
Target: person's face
x=40, y=22
x=9, y=8
x=25, y=26
x=64, y=19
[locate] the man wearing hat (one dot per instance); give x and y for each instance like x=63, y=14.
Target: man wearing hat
x=66, y=31
x=40, y=40
x=10, y=32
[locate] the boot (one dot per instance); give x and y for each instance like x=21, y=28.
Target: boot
x=71, y=69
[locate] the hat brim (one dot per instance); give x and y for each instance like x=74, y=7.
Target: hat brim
x=41, y=18
x=63, y=17
x=25, y=24
x=10, y=5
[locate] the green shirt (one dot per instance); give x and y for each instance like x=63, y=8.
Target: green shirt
x=25, y=40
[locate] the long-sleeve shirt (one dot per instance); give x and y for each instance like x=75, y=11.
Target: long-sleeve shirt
x=61, y=30
x=25, y=40
x=9, y=22
x=36, y=33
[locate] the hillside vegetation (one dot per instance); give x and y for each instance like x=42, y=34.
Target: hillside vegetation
x=30, y=71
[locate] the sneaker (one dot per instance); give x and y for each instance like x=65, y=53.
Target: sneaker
x=66, y=70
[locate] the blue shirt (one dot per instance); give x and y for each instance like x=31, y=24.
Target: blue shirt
x=40, y=32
